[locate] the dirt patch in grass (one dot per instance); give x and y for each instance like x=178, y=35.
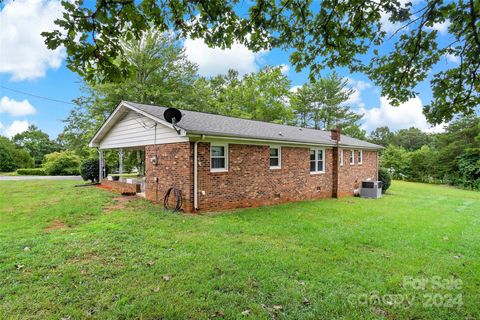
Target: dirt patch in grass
x=55, y=225
x=119, y=203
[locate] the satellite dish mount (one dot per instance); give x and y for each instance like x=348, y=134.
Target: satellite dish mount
x=173, y=116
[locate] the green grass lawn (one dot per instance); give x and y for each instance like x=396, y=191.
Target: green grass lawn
x=63, y=255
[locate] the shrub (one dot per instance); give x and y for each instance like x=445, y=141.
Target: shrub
x=423, y=165
x=90, y=170
x=62, y=163
x=384, y=176
x=468, y=164
x=12, y=157
x=32, y=172
x=396, y=160
x=23, y=159
x=6, y=159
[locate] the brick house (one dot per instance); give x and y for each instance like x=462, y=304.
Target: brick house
x=221, y=162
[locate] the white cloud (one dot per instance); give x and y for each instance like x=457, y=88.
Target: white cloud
x=355, y=99
x=295, y=88
x=452, y=58
x=284, y=68
x=214, y=61
x=16, y=108
x=24, y=55
x=408, y=114
x=357, y=86
x=391, y=27
x=441, y=27
x=14, y=128
x=387, y=25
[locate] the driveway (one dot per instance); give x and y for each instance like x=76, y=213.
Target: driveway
x=40, y=178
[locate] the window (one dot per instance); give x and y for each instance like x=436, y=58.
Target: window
x=275, y=158
x=317, y=161
x=352, y=157
x=218, y=157
x=341, y=157
x=360, y=156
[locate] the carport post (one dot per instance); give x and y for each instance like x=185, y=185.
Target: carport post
x=120, y=160
x=101, y=169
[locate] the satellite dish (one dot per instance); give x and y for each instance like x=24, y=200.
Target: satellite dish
x=172, y=115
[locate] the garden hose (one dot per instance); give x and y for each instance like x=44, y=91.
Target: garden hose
x=177, y=193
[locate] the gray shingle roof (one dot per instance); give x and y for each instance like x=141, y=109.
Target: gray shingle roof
x=218, y=125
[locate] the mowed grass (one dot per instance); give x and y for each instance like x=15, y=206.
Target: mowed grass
x=62, y=255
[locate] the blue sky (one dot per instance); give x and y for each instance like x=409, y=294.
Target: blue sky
x=27, y=66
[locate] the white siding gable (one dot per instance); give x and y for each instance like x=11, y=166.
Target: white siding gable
x=135, y=130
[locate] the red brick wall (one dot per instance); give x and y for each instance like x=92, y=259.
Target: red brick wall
x=250, y=182
x=121, y=187
x=350, y=176
x=174, y=169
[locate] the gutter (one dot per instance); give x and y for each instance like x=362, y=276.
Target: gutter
x=272, y=141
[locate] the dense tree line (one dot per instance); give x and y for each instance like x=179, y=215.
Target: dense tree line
x=26, y=149
x=37, y=143
x=450, y=157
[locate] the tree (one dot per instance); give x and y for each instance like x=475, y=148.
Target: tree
x=12, y=157
x=355, y=131
x=423, y=164
x=396, y=160
x=316, y=34
x=469, y=168
x=381, y=136
x=462, y=134
x=37, y=143
x=260, y=96
x=301, y=101
x=160, y=74
x=321, y=105
x=411, y=139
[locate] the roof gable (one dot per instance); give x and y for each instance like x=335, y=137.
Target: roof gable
x=116, y=117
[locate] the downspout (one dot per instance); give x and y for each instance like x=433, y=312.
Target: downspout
x=195, y=175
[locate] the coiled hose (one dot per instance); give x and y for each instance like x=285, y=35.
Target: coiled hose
x=177, y=193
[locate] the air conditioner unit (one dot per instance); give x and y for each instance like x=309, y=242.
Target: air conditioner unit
x=371, y=189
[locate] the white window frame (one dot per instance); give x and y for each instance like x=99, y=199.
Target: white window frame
x=360, y=156
x=341, y=157
x=225, y=145
x=316, y=160
x=352, y=157
x=279, y=157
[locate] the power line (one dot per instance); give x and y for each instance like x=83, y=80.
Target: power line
x=37, y=96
